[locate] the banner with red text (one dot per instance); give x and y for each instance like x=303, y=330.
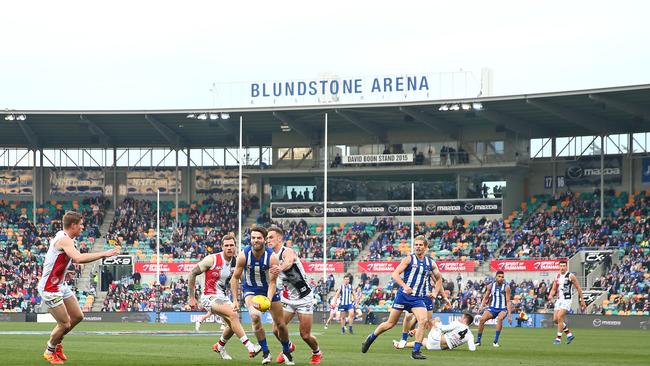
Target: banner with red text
x=444, y=266
x=317, y=267
x=526, y=265
x=164, y=267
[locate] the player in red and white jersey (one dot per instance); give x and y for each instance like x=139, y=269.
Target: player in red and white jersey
x=57, y=296
x=218, y=269
x=563, y=285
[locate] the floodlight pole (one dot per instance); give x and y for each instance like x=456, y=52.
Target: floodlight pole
x=325, y=160
x=412, y=217
x=239, y=157
x=159, y=289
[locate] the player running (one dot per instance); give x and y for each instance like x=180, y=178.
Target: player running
x=417, y=269
x=218, y=270
x=333, y=312
x=61, y=302
x=499, y=295
x=254, y=263
x=296, y=297
x=346, y=298
x=410, y=322
x=563, y=286
x=450, y=336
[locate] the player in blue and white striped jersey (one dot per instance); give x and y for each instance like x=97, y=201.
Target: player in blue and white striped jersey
x=498, y=294
x=346, y=296
x=412, y=275
x=253, y=269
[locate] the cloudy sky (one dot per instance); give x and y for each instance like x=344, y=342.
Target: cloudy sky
x=163, y=55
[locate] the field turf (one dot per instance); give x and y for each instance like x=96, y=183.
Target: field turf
x=518, y=347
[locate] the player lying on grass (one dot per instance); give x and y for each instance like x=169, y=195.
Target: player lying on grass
x=442, y=337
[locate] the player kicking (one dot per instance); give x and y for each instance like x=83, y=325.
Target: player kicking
x=443, y=337
x=296, y=297
x=254, y=263
x=563, y=286
x=499, y=295
x=417, y=269
x=345, y=296
x=57, y=296
x=218, y=270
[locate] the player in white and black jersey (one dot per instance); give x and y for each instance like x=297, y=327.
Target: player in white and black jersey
x=453, y=335
x=563, y=285
x=296, y=295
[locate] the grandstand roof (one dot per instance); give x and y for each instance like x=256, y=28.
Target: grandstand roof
x=570, y=113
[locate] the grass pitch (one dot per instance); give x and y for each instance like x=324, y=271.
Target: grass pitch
x=25, y=345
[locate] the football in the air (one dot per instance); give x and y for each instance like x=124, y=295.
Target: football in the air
x=261, y=302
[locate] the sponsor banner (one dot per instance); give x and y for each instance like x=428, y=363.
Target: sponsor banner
x=586, y=171
x=596, y=256
x=645, y=170
x=16, y=181
x=378, y=159
x=604, y=322
x=118, y=260
x=389, y=267
x=219, y=181
x=150, y=181
x=525, y=265
x=76, y=182
x=280, y=210
x=317, y=267
x=377, y=267
x=165, y=267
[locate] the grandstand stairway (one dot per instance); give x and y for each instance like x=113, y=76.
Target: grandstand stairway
x=84, y=282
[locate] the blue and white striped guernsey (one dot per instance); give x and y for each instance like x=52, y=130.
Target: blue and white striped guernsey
x=256, y=270
x=346, y=295
x=498, y=293
x=417, y=274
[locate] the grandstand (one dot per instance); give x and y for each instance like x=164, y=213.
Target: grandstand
x=511, y=182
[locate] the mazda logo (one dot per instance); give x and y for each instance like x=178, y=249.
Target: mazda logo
x=430, y=208
x=469, y=207
x=280, y=210
x=318, y=210
x=393, y=208
x=355, y=209
x=597, y=322
x=574, y=172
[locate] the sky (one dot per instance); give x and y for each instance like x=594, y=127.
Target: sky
x=166, y=55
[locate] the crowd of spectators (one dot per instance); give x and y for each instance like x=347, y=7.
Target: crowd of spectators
x=126, y=295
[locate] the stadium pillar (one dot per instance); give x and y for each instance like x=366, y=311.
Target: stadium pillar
x=325, y=165
x=630, y=150
x=34, y=188
x=41, y=178
x=115, y=177
x=602, y=177
x=189, y=180
x=176, y=187
x=554, y=160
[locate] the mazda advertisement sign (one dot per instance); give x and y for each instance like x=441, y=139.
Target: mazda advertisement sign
x=282, y=210
x=587, y=170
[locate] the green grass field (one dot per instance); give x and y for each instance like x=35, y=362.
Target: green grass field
x=518, y=347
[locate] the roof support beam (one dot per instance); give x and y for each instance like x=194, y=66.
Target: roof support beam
x=167, y=133
x=592, y=123
x=513, y=124
x=31, y=137
x=104, y=139
x=442, y=127
x=631, y=108
x=379, y=132
x=304, y=130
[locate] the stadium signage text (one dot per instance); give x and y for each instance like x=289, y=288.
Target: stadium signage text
x=317, y=267
x=525, y=265
x=327, y=87
x=586, y=171
x=164, y=267
x=118, y=260
x=388, y=267
x=378, y=159
x=387, y=208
